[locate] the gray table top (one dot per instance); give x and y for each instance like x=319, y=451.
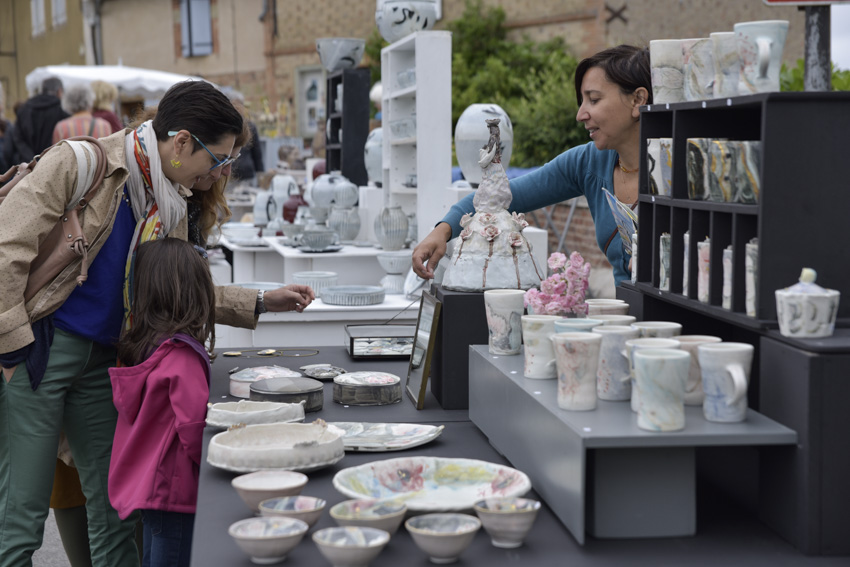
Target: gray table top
x=726, y=533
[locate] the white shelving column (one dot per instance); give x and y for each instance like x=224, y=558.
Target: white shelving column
x=423, y=150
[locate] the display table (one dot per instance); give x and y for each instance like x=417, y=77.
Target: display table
x=356, y=265
x=727, y=534
x=254, y=263
x=598, y=471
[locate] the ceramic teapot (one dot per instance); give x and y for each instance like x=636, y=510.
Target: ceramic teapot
x=333, y=188
x=287, y=196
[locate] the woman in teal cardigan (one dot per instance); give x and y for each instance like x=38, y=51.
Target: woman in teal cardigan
x=611, y=86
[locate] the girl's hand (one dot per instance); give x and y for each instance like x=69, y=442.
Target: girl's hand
x=289, y=298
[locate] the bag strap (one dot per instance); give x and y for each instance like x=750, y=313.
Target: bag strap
x=91, y=126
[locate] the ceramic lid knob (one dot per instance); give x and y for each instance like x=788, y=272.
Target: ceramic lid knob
x=808, y=275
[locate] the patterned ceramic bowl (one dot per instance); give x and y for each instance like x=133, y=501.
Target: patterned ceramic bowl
x=443, y=537
x=255, y=487
x=308, y=509
x=385, y=516
x=350, y=546
x=267, y=540
x=316, y=280
x=507, y=520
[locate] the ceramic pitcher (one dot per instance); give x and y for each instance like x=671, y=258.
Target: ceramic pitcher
x=636, y=344
x=612, y=375
x=577, y=359
x=760, y=46
x=725, y=377
x=694, y=394
x=539, y=352
x=504, y=309
x=661, y=375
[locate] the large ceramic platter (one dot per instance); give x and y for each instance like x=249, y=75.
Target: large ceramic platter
x=228, y=414
x=432, y=484
x=283, y=446
x=360, y=436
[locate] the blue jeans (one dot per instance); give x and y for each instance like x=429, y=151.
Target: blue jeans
x=167, y=538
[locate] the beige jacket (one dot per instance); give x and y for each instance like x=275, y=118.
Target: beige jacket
x=33, y=208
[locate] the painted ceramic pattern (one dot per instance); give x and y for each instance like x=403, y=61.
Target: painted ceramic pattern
x=268, y=527
x=667, y=64
x=807, y=315
x=760, y=46
x=630, y=349
x=699, y=69
x=694, y=394
x=653, y=158
x=747, y=181
x=431, y=483
x=726, y=65
x=539, y=354
x=697, y=165
x=661, y=383
x=664, y=267
x=703, y=269
x=723, y=166
x=577, y=362
x=362, y=436
x=666, y=163
x=612, y=375
x=718, y=368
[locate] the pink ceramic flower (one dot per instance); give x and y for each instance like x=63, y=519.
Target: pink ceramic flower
x=465, y=219
x=519, y=219
x=486, y=218
x=490, y=232
x=516, y=240
x=466, y=233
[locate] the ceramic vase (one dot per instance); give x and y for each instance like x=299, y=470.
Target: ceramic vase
x=667, y=64
x=661, y=375
x=633, y=345
x=699, y=68
x=760, y=46
x=726, y=301
x=391, y=228
x=725, y=378
x=471, y=134
x=373, y=155
x=539, y=352
x=504, y=309
x=703, y=269
x=751, y=279
x=399, y=18
x=806, y=310
x=694, y=394
x=577, y=359
x=329, y=187
x=724, y=48
x=612, y=375
x=345, y=222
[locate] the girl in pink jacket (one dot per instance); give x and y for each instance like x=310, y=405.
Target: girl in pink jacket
x=161, y=396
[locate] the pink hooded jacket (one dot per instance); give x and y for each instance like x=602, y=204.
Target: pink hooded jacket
x=162, y=404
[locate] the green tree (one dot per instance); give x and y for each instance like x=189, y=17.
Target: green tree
x=793, y=79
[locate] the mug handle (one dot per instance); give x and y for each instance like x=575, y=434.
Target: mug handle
x=763, y=44
x=626, y=356
x=739, y=381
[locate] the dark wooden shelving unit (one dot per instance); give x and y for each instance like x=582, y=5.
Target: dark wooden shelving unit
x=346, y=156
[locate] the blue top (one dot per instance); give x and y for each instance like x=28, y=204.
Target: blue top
x=95, y=310
x=582, y=170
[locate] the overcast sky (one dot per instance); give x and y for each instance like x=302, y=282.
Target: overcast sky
x=840, y=24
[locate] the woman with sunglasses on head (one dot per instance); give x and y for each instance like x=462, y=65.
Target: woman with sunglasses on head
x=55, y=349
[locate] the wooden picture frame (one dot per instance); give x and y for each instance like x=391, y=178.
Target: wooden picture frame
x=423, y=349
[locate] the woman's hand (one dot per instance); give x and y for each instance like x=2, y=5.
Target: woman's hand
x=289, y=298
x=430, y=250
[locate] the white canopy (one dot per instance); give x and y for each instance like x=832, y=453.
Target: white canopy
x=130, y=81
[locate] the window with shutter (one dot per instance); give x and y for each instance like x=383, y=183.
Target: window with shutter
x=196, y=28
x=59, y=12
x=38, y=18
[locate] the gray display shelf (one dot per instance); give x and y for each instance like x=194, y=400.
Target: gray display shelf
x=597, y=470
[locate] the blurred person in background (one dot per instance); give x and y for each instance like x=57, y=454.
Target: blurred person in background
x=105, y=95
x=251, y=163
x=79, y=101
x=10, y=153
x=36, y=119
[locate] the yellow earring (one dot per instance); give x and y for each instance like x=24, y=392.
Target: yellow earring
x=175, y=163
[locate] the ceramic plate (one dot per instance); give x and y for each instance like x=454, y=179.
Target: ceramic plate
x=431, y=484
x=334, y=248
x=375, y=437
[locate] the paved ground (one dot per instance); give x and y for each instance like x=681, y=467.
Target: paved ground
x=51, y=554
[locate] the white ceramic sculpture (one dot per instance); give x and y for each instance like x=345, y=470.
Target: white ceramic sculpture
x=491, y=252
x=471, y=134
x=399, y=18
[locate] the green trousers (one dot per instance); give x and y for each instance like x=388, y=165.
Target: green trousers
x=75, y=395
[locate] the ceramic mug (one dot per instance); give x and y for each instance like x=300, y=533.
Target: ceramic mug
x=694, y=394
x=686, y=238
x=760, y=46
x=504, y=309
x=615, y=319
x=661, y=375
x=664, y=263
x=606, y=307
x=539, y=353
x=703, y=269
x=577, y=359
x=576, y=325
x=724, y=50
x=612, y=375
x=699, y=68
x=725, y=377
x=658, y=329
x=636, y=344
x=751, y=275
x=667, y=65
x=726, y=301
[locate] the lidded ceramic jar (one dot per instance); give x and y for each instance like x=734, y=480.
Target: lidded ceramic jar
x=806, y=310
x=333, y=188
x=472, y=134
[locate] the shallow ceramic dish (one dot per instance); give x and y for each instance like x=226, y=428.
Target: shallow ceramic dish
x=385, y=516
x=284, y=446
x=507, y=520
x=361, y=436
x=331, y=248
x=443, y=537
x=322, y=371
x=367, y=388
x=267, y=540
x=350, y=546
x=240, y=382
x=255, y=487
x=431, y=484
x=245, y=412
x=290, y=390
x=353, y=295
x=308, y=509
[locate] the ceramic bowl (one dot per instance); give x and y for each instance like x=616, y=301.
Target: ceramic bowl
x=353, y=295
x=245, y=412
x=507, y=520
x=293, y=230
x=258, y=486
x=240, y=382
x=395, y=262
x=443, y=537
x=318, y=238
x=350, y=546
x=340, y=52
x=239, y=230
x=267, y=540
x=316, y=280
x=385, y=516
x=308, y=509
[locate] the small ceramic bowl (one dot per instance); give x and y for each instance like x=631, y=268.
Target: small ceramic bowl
x=255, y=487
x=385, y=516
x=267, y=540
x=507, y=520
x=396, y=262
x=350, y=546
x=443, y=537
x=305, y=508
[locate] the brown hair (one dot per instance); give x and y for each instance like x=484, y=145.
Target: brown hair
x=172, y=293
x=104, y=95
x=626, y=66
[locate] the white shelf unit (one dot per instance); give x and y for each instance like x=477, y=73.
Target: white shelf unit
x=427, y=153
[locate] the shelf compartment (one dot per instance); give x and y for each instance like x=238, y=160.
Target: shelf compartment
x=406, y=92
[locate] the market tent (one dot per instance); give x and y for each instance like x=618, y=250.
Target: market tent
x=132, y=82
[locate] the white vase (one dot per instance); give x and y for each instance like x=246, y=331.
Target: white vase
x=471, y=134
x=329, y=187
x=373, y=156
x=399, y=18
x=345, y=222
x=391, y=228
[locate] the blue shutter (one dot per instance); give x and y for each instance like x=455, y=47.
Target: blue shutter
x=196, y=28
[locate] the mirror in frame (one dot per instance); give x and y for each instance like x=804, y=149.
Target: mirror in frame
x=423, y=349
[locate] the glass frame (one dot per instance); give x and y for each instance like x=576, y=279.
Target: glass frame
x=420, y=364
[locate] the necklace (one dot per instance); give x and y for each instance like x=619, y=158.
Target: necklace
x=623, y=168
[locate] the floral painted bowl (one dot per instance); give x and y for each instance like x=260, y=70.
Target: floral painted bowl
x=443, y=537
x=507, y=520
x=267, y=540
x=431, y=484
x=385, y=516
x=308, y=509
x=350, y=546
x=255, y=487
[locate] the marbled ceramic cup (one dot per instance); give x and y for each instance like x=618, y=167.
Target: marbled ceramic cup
x=724, y=48
x=694, y=394
x=658, y=329
x=504, y=319
x=699, y=68
x=539, y=353
x=577, y=356
x=612, y=375
x=576, y=325
x=637, y=344
x=725, y=377
x=760, y=46
x=667, y=64
x=661, y=375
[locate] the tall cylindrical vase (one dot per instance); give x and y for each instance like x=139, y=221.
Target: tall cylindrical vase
x=391, y=228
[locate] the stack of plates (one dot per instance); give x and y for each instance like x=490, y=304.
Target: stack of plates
x=353, y=295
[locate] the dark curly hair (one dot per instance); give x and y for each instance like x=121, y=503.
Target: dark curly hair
x=626, y=66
